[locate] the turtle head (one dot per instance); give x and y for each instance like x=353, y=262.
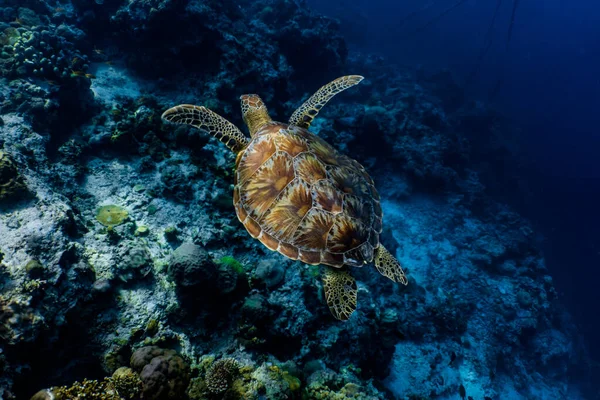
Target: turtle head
x=254, y=112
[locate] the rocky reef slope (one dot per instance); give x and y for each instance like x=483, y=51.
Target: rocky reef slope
x=125, y=274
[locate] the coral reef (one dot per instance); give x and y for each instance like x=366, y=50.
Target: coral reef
x=12, y=186
x=112, y=215
x=124, y=268
x=124, y=384
x=191, y=266
x=164, y=374
x=43, y=53
x=127, y=383
x=326, y=384
x=220, y=375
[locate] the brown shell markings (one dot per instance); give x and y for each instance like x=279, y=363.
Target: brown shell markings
x=284, y=217
x=260, y=191
x=299, y=196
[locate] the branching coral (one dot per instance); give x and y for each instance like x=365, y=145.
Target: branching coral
x=88, y=389
x=123, y=385
x=127, y=383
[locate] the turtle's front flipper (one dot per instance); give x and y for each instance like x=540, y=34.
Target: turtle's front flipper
x=304, y=115
x=208, y=121
x=388, y=266
x=340, y=292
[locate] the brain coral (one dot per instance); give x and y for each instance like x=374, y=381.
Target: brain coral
x=165, y=374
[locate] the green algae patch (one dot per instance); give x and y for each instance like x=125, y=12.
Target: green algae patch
x=111, y=215
x=232, y=263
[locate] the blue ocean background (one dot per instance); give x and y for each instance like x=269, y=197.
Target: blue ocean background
x=549, y=85
x=125, y=274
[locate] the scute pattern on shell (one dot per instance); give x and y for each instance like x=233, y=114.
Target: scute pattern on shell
x=299, y=196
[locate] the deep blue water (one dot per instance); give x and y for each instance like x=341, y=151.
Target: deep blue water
x=550, y=87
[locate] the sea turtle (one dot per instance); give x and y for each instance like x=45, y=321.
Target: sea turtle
x=299, y=196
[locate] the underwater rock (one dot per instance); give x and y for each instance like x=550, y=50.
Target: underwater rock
x=28, y=17
x=192, y=267
x=175, y=183
x=134, y=263
x=269, y=273
x=228, y=277
x=12, y=185
x=255, y=309
x=34, y=269
x=102, y=286
x=196, y=274
x=170, y=232
x=43, y=394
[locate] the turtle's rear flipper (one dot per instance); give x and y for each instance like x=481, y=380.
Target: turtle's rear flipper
x=388, y=266
x=305, y=114
x=340, y=292
x=208, y=121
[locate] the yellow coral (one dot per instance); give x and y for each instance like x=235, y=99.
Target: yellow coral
x=127, y=383
x=111, y=215
x=88, y=389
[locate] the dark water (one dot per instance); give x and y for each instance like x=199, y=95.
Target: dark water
x=546, y=78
